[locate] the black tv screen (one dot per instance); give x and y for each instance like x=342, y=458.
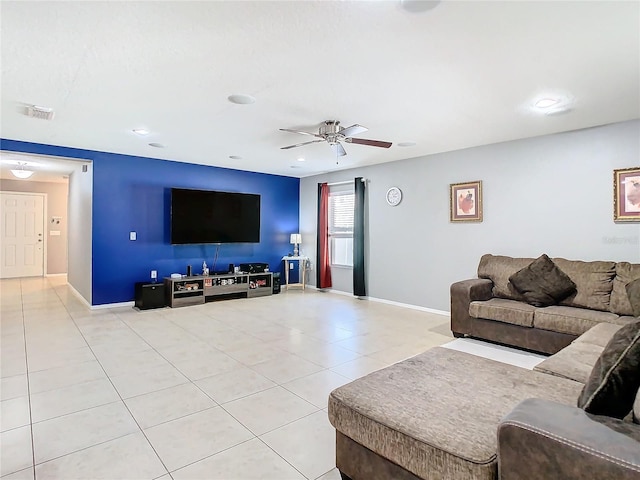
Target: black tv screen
x=204, y=216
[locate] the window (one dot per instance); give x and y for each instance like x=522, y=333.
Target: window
x=341, y=207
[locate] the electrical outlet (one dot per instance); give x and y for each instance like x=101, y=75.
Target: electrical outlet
x=291, y=266
x=154, y=274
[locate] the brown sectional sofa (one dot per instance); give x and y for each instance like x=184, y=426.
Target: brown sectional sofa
x=490, y=308
x=449, y=415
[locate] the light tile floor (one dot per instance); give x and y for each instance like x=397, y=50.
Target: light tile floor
x=228, y=390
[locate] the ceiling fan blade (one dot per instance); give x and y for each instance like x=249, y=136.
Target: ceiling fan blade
x=338, y=149
x=300, y=131
x=301, y=144
x=353, y=130
x=371, y=143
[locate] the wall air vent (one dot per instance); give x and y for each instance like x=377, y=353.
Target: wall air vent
x=43, y=113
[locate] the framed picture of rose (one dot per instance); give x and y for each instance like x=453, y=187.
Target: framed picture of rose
x=466, y=201
x=626, y=195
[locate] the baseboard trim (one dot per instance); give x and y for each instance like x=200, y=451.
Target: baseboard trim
x=79, y=295
x=56, y=275
x=112, y=305
x=412, y=307
x=382, y=300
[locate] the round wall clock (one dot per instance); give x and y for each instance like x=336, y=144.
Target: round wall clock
x=394, y=196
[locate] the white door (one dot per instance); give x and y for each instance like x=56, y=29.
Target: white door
x=21, y=235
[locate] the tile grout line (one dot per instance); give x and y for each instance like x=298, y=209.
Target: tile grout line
x=26, y=362
x=116, y=390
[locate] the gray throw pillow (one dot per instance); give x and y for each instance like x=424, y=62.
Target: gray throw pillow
x=614, y=381
x=633, y=292
x=542, y=283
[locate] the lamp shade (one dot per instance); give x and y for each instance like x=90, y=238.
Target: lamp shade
x=296, y=239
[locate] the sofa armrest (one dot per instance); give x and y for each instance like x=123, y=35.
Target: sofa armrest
x=543, y=439
x=462, y=294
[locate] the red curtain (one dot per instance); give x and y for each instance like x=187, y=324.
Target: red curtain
x=323, y=274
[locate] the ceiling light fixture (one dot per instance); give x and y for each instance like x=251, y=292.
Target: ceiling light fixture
x=20, y=172
x=141, y=131
x=301, y=159
x=418, y=6
x=235, y=157
x=407, y=144
x=241, y=99
x=547, y=102
x=157, y=145
x=552, y=104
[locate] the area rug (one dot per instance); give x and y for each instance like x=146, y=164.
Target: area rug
x=499, y=353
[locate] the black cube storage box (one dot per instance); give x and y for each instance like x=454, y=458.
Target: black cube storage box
x=149, y=295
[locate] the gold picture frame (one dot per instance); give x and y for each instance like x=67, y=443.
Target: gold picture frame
x=626, y=195
x=465, y=201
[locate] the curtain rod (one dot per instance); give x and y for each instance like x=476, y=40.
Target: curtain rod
x=347, y=182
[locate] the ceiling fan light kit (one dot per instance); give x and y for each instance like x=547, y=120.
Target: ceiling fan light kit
x=332, y=133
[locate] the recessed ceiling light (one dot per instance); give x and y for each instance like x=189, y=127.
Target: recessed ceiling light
x=241, y=99
x=157, y=145
x=407, y=144
x=301, y=159
x=295, y=166
x=235, y=157
x=547, y=102
x=552, y=103
x=141, y=131
x=417, y=6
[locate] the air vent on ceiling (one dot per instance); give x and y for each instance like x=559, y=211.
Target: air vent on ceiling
x=43, y=113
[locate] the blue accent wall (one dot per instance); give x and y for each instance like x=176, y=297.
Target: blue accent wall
x=134, y=194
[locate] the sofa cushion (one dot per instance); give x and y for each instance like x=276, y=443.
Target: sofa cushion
x=498, y=269
x=625, y=273
x=574, y=362
x=502, y=310
x=600, y=334
x=436, y=414
x=633, y=296
x=571, y=320
x=542, y=283
x=594, y=283
x=614, y=381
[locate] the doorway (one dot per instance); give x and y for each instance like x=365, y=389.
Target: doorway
x=22, y=236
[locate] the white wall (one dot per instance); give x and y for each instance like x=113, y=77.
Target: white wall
x=57, y=194
x=80, y=226
x=551, y=194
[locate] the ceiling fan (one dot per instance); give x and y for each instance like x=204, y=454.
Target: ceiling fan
x=332, y=133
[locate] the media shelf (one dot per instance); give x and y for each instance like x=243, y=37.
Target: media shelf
x=196, y=290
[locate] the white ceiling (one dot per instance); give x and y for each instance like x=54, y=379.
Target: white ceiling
x=460, y=75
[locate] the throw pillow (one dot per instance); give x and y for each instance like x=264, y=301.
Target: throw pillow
x=542, y=283
x=614, y=381
x=633, y=292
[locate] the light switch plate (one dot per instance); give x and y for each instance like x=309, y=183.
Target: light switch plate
x=133, y=236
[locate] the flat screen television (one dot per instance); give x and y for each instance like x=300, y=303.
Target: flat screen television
x=205, y=216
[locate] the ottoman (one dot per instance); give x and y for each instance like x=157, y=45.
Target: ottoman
x=433, y=416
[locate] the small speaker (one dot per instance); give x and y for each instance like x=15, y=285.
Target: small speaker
x=231, y=267
x=189, y=271
x=276, y=282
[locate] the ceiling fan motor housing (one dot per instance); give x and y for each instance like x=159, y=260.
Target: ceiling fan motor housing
x=331, y=131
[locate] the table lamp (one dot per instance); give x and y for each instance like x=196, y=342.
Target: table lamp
x=296, y=239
